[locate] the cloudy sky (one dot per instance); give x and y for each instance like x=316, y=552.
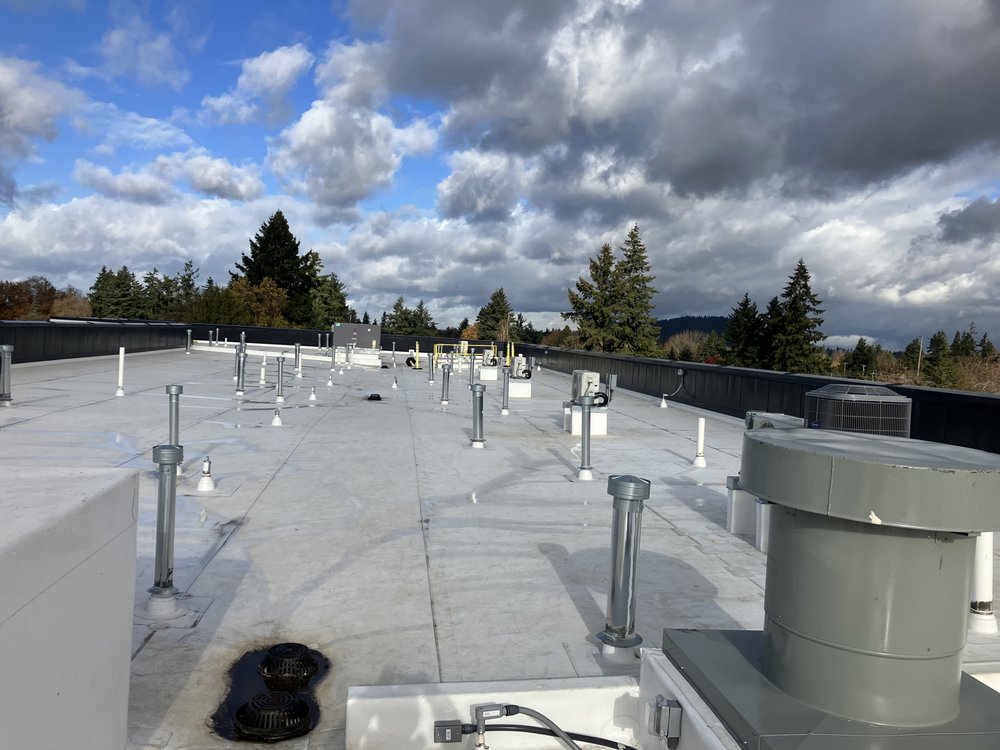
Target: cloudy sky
x=440, y=149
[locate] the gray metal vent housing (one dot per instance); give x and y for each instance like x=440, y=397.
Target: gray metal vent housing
x=869, y=409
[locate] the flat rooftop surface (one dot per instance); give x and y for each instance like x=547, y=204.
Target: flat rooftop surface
x=373, y=532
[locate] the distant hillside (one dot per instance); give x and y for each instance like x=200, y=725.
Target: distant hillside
x=706, y=323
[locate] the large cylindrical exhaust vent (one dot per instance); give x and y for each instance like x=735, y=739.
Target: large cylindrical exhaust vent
x=868, y=568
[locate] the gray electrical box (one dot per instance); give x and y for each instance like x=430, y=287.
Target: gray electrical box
x=358, y=335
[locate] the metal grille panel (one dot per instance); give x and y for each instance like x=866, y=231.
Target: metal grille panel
x=869, y=409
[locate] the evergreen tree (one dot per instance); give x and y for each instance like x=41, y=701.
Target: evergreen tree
x=798, y=327
x=636, y=330
x=770, y=325
x=986, y=348
x=939, y=368
x=329, y=302
x=861, y=361
x=186, y=292
x=964, y=343
x=743, y=334
x=126, y=296
x=365, y=320
x=423, y=324
x=912, y=355
x=495, y=318
x=593, y=305
x=274, y=254
x=100, y=293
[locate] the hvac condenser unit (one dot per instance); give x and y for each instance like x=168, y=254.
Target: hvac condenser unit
x=871, y=409
x=585, y=383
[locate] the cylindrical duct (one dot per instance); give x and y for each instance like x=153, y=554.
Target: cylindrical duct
x=6, y=357
x=629, y=492
x=168, y=457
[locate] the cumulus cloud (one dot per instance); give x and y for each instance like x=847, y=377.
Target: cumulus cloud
x=482, y=186
x=134, y=187
x=134, y=49
x=155, y=183
x=30, y=106
x=265, y=79
x=340, y=151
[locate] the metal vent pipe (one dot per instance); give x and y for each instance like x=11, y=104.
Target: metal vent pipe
x=6, y=356
x=628, y=492
x=478, y=389
x=168, y=457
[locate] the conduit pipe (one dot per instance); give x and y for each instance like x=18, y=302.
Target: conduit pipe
x=445, y=381
x=241, y=372
x=586, y=473
x=6, y=357
x=167, y=457
x=504, y=408
x=280, y=398
x=478, y=389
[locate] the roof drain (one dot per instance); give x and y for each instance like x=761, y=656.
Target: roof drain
x=288, y=666
x=272, y=716
x=270, y=694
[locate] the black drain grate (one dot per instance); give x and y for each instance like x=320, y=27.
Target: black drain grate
x=288, y=666
x=272, y=716
x=270, y=694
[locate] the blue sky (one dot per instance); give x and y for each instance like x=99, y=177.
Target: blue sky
x=439, y=149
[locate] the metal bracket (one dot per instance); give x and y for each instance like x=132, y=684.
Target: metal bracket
x=665, y=720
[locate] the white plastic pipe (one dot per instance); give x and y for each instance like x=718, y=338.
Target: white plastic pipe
x=981, y=617
x=121, y=372
x=699, y=456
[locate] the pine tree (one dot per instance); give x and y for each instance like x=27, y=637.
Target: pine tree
x=912, y=355
x=495, y=318
x=986, y=348
x=329, y=302
x=274, y=254
x=423, y=323
x=100, y=293
x=187, y=292
x=939, y=368
x=770, y=325
x=860, y=362
x=636, y=330
x=798, y=327
x=593, y=305
x=744, y=330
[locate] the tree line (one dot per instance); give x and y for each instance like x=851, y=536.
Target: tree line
x=274, y=284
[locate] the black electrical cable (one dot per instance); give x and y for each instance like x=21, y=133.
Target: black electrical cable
x=527, y=728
